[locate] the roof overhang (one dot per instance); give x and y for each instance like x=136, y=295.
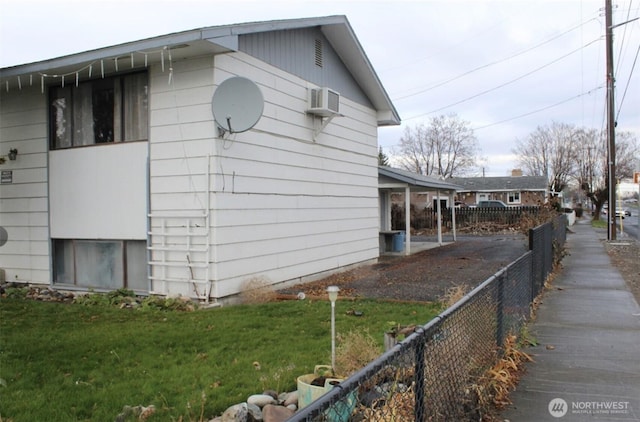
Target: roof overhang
x=515, y=189
x=199, y=42
x=132, y=55
x=392, y=178
x=344, y=41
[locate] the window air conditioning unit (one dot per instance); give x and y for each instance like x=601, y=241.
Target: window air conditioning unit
x=323, y=102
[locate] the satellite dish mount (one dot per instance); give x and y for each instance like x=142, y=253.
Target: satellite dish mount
x=237, y=105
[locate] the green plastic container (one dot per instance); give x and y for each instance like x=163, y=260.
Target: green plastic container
x=307, y=393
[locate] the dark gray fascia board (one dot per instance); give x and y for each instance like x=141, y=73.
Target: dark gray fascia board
x=415, y=179
x=220, y=39
x=101, y=53
x=355, y=58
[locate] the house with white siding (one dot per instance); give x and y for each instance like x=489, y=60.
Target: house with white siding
x=124, y=178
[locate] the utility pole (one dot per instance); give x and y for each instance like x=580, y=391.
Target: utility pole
x=611, y=124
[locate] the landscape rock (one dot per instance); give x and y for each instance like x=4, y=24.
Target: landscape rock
x=255, y=413
x=236, y=413
x=261, y=400
x=140, y=412
x=370, y=397
x=291, y=398
x=274, y=413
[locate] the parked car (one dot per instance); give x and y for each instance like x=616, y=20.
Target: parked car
x=620, y=212
x=492, y=204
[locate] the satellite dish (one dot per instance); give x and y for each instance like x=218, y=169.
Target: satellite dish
x=4, y=236
x=237, y=105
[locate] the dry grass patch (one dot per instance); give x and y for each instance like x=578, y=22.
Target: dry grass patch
x=492, y=389
x=355, y=350
x=398, y=407
x=453, y=294
x=257, y=290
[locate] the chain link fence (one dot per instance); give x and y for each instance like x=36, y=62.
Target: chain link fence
x=433, y=375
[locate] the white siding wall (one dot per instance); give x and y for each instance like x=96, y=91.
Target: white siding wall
x=99, y=192
x=283, y=207
x=23, y=203
x=181, y=141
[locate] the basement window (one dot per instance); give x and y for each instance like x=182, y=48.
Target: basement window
x=99, y=111
x=102, y=264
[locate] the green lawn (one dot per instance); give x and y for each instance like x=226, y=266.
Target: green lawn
x=61, y=362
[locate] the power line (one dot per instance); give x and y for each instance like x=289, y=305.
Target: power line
x=442, y=50
x=514, y=55
x=624, y=33
x=506, y=83
x=624, y=94
x=540, y=109
x=566, y=100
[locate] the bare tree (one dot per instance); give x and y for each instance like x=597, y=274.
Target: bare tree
x=589, y=159
x=591, y=167
x=592, y=172
x=447, y=147
x=550, y=151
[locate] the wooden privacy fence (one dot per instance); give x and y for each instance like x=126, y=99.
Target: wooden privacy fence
x=427, y=218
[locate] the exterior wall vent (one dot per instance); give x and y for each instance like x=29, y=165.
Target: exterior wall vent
x=318, y=51
x=323, y=102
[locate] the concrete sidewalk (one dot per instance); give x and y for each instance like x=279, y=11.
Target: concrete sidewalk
x=587, y=363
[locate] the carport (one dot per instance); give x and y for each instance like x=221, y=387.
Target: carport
x=396, y=180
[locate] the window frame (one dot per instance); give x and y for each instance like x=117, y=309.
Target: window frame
x=70, y=276
x=511, y=197
x=119, y=120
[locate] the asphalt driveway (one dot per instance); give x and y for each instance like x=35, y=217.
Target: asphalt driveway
x=427, y=275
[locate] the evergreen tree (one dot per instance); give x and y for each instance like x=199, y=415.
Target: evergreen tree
x=383, y=160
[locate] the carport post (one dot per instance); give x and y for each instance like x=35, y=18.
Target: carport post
x=439, y=208
x=407, y=220
x=453, y=214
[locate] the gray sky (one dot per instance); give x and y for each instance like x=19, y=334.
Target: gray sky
x=506, y=67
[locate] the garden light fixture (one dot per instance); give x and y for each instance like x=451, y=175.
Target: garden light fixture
x=333, y=296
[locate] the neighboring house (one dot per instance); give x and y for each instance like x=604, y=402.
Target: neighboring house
x=123, y=179
x=516, y=190
x=395, y=183
x=627, y=188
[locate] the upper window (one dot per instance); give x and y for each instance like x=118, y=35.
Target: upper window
x=513, y=198
x=100, y=111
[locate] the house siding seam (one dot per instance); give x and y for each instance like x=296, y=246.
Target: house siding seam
x=24, y=209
